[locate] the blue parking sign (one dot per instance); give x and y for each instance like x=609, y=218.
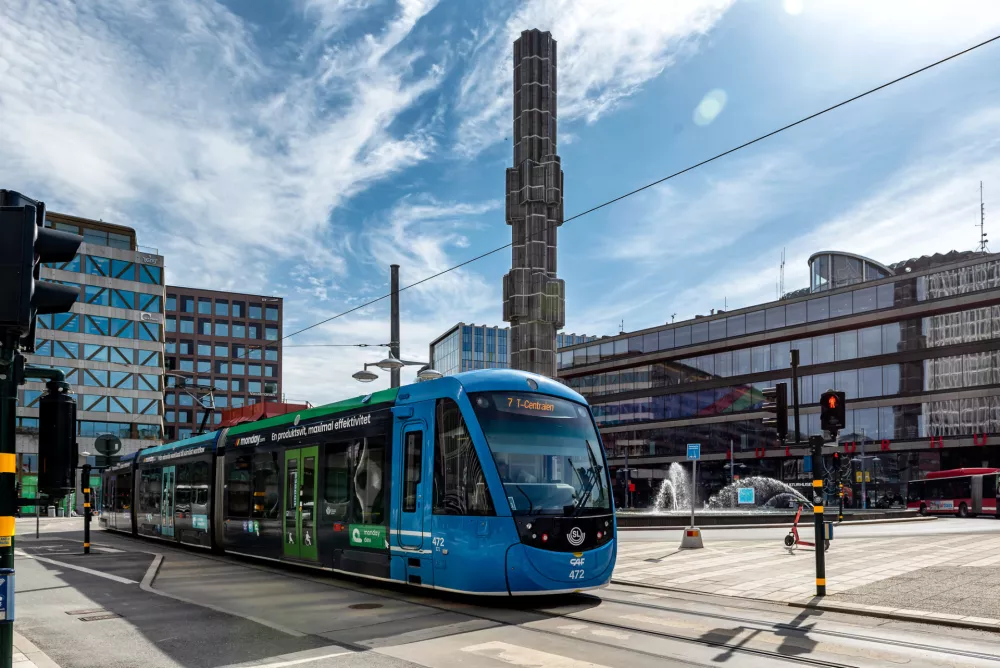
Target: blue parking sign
x=694, y=450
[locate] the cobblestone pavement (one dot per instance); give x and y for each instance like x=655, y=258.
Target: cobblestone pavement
x=948, y=576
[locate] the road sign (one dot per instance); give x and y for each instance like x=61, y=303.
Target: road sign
x=694, y=451
x=7, y=594
x=828, y=530
x=744, y=495
x=857, y=476
x=108, y=444
x=868, y=476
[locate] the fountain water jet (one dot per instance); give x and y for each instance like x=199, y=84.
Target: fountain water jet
x=675, y=490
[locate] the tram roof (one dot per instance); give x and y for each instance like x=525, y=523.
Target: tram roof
x=201, y=438
x=375, y=398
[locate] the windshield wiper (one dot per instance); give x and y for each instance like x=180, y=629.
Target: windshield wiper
x=595, y=471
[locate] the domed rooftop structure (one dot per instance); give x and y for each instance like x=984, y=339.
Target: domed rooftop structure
x=835, y=269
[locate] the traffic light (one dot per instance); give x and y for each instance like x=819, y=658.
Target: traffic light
x=836, y=466
x=24, y=245
x=776, y=401
x=833, y=415
x=57, y=451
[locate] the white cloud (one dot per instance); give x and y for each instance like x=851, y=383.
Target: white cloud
x=702, y=214
x=152, y=117
x=929, y=206
x=605, y=56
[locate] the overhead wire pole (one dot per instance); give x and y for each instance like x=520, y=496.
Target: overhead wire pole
x=640, y=189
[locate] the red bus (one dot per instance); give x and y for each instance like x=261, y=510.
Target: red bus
x=963, y=492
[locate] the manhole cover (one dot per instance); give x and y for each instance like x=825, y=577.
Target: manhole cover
x=97, y=618
x=85, y=612
x=365, y=606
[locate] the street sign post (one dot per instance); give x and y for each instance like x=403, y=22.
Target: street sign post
x=692, y=535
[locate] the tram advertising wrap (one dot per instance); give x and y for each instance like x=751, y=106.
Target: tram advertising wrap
x=487, y=483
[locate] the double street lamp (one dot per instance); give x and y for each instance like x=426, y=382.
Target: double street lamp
x=393, y=363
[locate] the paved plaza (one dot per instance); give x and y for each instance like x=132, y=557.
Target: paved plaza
x=946, y=577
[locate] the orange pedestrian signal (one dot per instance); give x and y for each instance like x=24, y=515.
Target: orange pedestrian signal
x=832, y=401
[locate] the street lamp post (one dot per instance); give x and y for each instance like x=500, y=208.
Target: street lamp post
x=393, y=363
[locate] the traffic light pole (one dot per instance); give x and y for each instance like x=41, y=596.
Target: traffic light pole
x=85, y=475
x=11, y=375
x=795, y=393
x=817, y=457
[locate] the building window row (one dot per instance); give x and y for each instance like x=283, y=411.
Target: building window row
x=111, y=268
x=950, y=283
x=949, y=418
x=960, y=327
x=188, y=347
x=101, y=326
x=933, y=375
x=206, y=327
x=221, y=307
x=97, y=353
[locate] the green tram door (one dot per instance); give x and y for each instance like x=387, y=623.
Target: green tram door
x=299, y=516
x=167, y=501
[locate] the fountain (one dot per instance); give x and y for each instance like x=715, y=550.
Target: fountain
x=768, y=493
x=674, y=493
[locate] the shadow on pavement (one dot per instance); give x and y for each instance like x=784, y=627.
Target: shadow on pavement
x=795, y=640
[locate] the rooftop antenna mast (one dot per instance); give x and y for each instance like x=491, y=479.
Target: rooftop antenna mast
x=781, y=275
x=983, y=248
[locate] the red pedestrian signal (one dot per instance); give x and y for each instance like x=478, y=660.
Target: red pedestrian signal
x=833, y=416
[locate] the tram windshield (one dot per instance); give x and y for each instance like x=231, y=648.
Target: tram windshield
x=546, y=452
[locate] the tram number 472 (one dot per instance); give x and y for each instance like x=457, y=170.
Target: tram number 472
x=576, y=574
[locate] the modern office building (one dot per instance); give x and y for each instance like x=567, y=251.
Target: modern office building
x=226, y=343
x=534, y=299
x=915, y=345
x=110, y=346
x=468, y=347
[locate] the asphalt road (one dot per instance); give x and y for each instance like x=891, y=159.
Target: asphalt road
x=937, y=526
x=206, y=611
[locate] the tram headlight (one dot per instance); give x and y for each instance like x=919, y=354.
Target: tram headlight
x=528, y=526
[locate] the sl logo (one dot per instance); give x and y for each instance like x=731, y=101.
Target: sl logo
x=575, y=537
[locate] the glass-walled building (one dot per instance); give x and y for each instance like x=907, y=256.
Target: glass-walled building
x=110, y=346
x=914, y=346
x=228, y=343
x=469, y=347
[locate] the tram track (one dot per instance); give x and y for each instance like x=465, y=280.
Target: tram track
x=482, y=612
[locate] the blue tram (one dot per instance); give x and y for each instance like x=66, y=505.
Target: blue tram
x=487, y=483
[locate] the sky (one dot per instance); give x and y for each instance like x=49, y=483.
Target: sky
x=297, y=148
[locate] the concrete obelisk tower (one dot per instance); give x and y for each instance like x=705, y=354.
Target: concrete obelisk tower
x=534, y=300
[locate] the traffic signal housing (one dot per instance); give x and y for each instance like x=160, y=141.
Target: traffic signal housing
x=25, y=244
x=833, y=414
x=57, y=451
x=776, y=401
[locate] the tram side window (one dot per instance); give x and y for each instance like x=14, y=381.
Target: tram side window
x=123, y=493
x=368, y=464
x=459, y=484
x=337, y=480
x=411, y=477
x=238, y=487
x=201, y=474
x=182, y=496
x=150, y=491
x=266, y=498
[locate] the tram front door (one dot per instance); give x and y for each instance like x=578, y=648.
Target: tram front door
x=298, y=516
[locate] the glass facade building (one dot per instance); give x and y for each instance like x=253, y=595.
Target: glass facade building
x=110, y=346
x=915, y=346
x=226, y=342
x=470, y=347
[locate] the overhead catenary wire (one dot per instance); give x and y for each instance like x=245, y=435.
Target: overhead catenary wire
x=645, y=187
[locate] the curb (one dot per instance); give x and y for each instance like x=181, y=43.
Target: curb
x=861, y=610
x=35, y=656
x=903, y=615
x=776, y=526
